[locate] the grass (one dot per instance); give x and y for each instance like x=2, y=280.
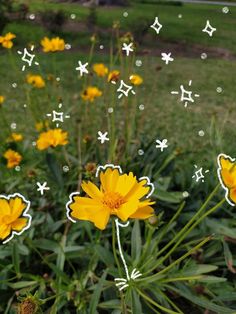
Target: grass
x=166, y=115
x=70, y=267
x=187, y=29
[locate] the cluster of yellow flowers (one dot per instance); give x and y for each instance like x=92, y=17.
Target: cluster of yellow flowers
x=6, y=41
x=49, y=45
x=13, y=158
x=52, y=45
x=35, y=80
x=90, y=93
x=52, y=138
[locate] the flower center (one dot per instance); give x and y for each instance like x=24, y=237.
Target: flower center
x=113, y=200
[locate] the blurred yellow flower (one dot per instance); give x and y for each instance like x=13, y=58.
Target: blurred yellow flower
x=52, y=138
x=227, y=176
x=136, y=79
x=35, y=80
x=13, y=217
x=15, y=137
x=121, y=195
x=2, y=98
x=6, y=41
x=13, y=158
x=53, y=45
x=113, y=76
x=41, y=125
x=100, y=69
x=90, y=93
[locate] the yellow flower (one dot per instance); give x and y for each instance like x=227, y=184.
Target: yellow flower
x=90, y=93
x=227, y=176
x=13, y=217
x=15, y=137
x=6, y=41
x=52, y=45
x=13, y=158
x=121, y=195
x=35, y=80
x=113, y=76
x=40, y=125
x=52, y=138
x=2, y=98
x=100, y=69
x=136, y=79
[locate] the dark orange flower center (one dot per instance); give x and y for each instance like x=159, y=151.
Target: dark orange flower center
x=113, y=200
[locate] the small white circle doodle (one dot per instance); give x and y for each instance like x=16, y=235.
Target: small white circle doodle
x=201, y=133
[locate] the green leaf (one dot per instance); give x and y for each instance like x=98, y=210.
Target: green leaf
x=111, y=304
x=169, y=197
x=96, y=294
x=48, y=245
x=136, y=242
x=16, y=258
x=136, y=304
x=22, y=284
x=104, y=254
x=203, y=302
x=54, y=168
x=228, y=257
x=212, y=279
x=198, y=269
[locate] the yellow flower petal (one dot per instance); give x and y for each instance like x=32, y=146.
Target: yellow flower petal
x=143, y=213
x=127, y=209
x=5, y=231
x=19, y=224
x=91, y=190
x=109, y=179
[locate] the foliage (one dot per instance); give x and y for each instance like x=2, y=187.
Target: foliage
x=186, y=253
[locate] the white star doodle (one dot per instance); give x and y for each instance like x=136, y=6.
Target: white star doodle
x=209, y=29
x=126, y=91
x=199, y=174
x=58, y=116
x=42, y=187
x=127, y=48
x=161, y=144
x=167, y=57
x=156, y=25
x=103, y=137
x=186, y=95
x=82, y=68
x=27, y=57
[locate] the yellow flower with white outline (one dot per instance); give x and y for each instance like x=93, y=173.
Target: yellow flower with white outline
x=227, y=177
x=14, y=219
x=120, y=195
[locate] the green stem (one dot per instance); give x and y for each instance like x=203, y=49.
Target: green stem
x=114, y=247
x=188, y=231
x=164, y=270
x=164, y=309
x=190, y=221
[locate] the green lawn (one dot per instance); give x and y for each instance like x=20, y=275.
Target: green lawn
x=186, y=29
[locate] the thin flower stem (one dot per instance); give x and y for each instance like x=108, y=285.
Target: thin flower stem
x=181, y=279
x=190, y=221
x=188, y=231
x=164, y=309
x=119, y=246
x=171, y=302
x=176, y=262
x=114, y=246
